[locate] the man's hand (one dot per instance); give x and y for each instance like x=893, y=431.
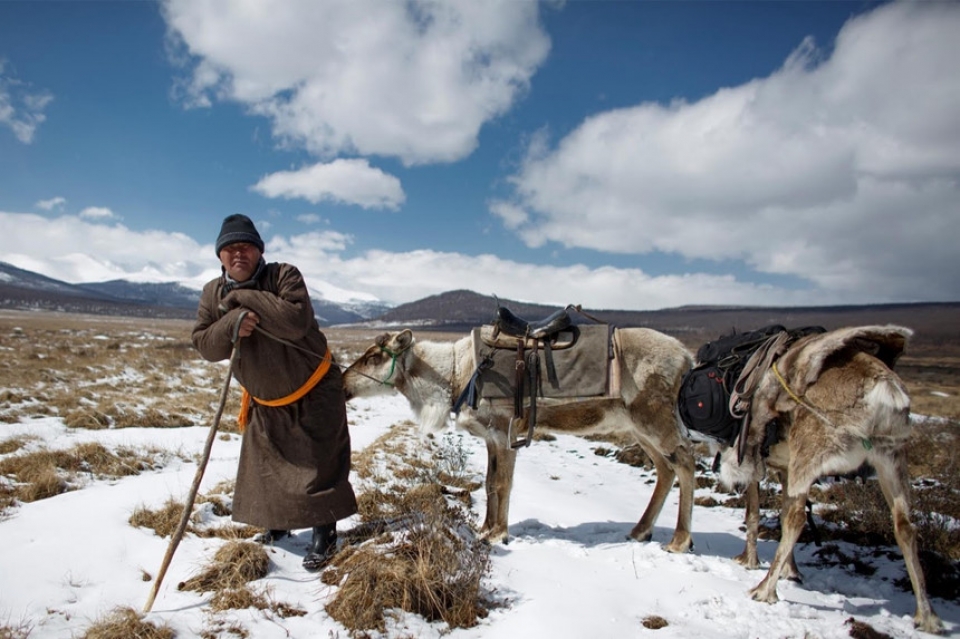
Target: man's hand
x=248, y=322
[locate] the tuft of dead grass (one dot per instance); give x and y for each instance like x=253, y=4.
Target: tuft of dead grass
x=243, y=597
x=126, y=623
x=46, y=473
x=86, y=417
x=416, y=549
x=13, y=444
x=233, y=565
x=163, y=521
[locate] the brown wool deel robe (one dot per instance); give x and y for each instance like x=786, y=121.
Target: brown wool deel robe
x=295, y=459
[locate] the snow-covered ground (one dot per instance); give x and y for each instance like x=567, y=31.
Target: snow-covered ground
x=568, y=572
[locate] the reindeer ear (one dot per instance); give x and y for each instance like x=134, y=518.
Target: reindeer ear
x=382, y=340
x=404, y=339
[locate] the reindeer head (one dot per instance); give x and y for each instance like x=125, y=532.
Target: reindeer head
x=377, y=371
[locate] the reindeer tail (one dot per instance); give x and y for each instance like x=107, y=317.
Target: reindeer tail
x=889, y=406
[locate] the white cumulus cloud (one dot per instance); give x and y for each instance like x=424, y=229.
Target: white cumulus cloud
x=76, y=250
x=839, y=169
x=413, y=80
x=351, y=181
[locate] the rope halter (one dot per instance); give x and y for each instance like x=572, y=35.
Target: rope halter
x=393, y=364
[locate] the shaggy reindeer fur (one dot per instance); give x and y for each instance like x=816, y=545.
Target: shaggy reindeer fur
x=431, y=375
x=839, y=405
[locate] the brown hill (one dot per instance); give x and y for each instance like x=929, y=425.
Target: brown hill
x=936, y=325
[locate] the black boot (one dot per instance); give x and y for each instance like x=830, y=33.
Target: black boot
x=270, y=537
x=322, y=548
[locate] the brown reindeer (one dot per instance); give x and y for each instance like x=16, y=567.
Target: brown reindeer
x=837, y=404
x=650, y=364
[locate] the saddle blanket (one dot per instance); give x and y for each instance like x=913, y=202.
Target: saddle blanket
x=582, y=369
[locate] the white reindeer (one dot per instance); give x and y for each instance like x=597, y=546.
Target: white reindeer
x=838, y=404
x=431, y=375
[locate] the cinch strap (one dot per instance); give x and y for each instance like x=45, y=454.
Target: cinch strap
x=283, y=401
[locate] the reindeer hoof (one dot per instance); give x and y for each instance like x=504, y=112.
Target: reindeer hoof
x=750, y=563
x=639, y=535
x=764, y=594
x=494, y=537
x=680, y=546
x=931, y=623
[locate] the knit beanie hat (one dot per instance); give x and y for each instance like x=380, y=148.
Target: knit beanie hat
x=238, y=228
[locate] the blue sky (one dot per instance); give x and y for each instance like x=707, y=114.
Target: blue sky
x=633, y=155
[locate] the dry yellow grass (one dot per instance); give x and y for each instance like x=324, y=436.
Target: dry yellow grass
x=416, y=549
x=228, y=577
x=126, y=623
x=108, y=373
x=45, y=473
x=233, y=565
x=163, y=521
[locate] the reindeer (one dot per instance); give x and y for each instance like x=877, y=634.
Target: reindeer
x=650, y=364
x=837, y=403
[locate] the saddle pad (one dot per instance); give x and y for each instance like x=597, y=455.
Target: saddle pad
x=582, y=370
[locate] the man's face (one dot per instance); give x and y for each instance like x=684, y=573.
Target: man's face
x=240, y=260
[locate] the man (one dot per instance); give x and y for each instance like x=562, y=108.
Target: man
x=295, y=455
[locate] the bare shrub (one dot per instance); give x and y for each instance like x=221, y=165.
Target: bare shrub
x=126, y=623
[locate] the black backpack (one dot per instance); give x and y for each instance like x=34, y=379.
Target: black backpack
x=704, y=398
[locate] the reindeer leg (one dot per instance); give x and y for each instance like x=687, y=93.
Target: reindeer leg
x=792, y=523
x=643, y=531
x=748, y=558
x=790, y=569
x=684, y=465
x=501, y=461
x=892, y=475
x=666, y=473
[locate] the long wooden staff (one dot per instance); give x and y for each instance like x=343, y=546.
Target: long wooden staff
x=188, y=507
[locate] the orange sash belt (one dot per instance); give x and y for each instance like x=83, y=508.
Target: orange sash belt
x=283, y=401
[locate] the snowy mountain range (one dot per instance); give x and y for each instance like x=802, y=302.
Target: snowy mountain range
x=22, y=289
x=461, y=310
